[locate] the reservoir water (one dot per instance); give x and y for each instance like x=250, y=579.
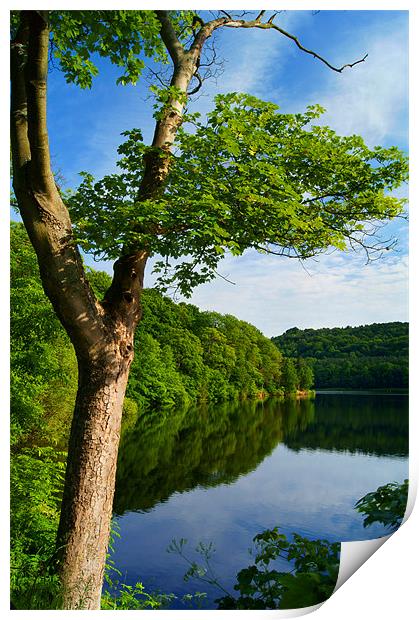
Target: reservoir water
x=223, y=474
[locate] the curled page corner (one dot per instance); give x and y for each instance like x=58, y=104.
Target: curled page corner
x=411, y=497
x=354, y=554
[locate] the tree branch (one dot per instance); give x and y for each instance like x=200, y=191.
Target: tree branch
x=272, y=17
x=230, y=22
x=169, y=37
x=269, y=25
x=286, y=251
x=19, y=105
x=45, y=216
x=36, y=88
x=224, y=278
x=314, y=54
x=198, y=87
x=204, y=33
x=157, y=76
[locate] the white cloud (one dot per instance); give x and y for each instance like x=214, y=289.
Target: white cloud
x=371, y=99
x=275, y=294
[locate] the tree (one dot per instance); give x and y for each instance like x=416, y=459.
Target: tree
x=289, y=377
x=251, y=178
x=305, y=374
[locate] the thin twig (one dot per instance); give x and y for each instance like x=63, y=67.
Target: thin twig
x=197, y=88
x=224, y=278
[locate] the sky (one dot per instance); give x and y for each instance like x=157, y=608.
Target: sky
x=370, y=99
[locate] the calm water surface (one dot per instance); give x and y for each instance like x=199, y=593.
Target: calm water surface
x=223, y=474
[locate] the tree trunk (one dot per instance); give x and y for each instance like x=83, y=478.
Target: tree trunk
x=86, y=509
x=90, y=480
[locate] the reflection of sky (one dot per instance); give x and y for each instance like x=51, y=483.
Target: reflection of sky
x=312, y=492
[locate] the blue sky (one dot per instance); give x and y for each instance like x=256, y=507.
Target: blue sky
x=370, y=99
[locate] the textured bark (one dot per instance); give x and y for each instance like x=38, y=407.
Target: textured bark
x=185, y=65
x=90, y=480
x=86, y=510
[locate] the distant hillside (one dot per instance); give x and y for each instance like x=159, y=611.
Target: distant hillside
x=369, y=356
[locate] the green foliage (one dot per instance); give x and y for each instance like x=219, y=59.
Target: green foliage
x=127, y=597
x=164, y=98
x=36, y=480
x=134, y=597
x=386, y=505
x=305, y=374
x=311, y=580
x=184, y=355
x=369, y=356
x=289, y=375
x=33, y=508
x=125, y=37
x=262, y=586
x=249, y=177
x=43, y=364
x=42, y=384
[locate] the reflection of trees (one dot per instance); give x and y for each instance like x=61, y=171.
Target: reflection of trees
x=207, y=446
x=210, y=445
x=371, y=424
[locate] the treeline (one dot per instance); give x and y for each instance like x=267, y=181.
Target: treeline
x=369, y=356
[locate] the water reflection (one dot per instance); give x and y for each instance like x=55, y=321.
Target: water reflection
x=374, y=424
x=177, y=451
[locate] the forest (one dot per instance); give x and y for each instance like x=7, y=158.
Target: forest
x=368, y=356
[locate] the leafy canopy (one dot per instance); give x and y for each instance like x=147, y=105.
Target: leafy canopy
x=247, y=177
x=126, y=38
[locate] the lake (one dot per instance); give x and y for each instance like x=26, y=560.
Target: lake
x=224, y=473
